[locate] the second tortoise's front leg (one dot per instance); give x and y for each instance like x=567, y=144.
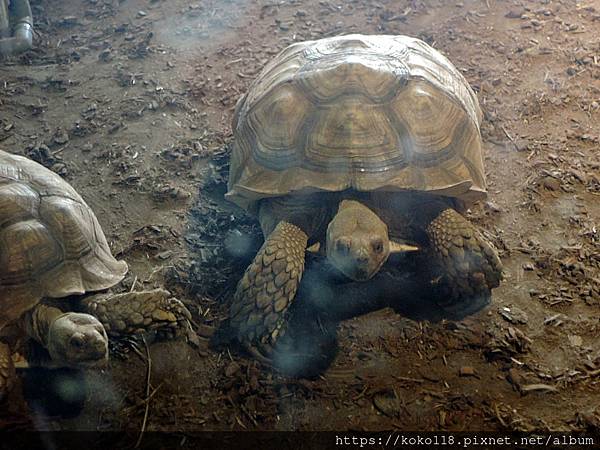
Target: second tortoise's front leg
x=268, y=287
x=467, y=261
x=139, y=312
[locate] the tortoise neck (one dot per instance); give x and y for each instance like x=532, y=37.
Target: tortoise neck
x=39, y=320
x=353, y=216
x=354, y=204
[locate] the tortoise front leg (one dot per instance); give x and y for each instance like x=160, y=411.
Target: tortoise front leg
x=468, y=262
x=139, y=312
x=7, y=371
x=267, y=289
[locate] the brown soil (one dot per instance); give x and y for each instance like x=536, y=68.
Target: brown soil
x=131, y=102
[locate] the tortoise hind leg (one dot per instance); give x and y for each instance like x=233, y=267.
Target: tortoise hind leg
x=468, y=262
x=7, y=371
x=267, y=289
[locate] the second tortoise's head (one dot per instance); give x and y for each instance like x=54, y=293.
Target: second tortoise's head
x=358, y=243
x=77, y=340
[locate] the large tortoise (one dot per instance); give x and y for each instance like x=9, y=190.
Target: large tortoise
x=51, y=248
x=365, y=145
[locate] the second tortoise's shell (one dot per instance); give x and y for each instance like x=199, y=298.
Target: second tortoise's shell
x=51, y=244
x=357, y=112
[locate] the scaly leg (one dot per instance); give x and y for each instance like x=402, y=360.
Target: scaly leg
x=468, y=262
x=268, y=287
x=139, y=312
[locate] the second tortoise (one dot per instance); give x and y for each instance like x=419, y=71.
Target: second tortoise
x=53, y=256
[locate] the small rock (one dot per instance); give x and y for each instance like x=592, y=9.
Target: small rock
x=105, y=55
x=515, y=13
x=514, y=315
x=551, y=183
x=61, y=137
x=164, y=255
x=142, y=14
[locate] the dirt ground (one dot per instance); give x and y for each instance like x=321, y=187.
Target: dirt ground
x=131, y=102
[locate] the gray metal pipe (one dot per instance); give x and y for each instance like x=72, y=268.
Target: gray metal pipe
x=22, y=38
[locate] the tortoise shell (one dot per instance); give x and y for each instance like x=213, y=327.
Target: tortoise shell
x=386, y=113
x=51, y=244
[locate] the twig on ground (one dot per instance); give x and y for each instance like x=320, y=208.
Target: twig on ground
x=133, y=284
x=148, y=371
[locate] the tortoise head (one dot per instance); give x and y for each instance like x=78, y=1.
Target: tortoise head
x=77, y=340
x=358, y=243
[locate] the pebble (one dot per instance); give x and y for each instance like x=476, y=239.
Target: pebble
x=61, y=137
x=515, y=13
x=551, y=183
x=105, y=55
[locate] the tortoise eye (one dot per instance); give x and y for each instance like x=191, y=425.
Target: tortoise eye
x=342, y=246
x=378, y=246
x=77, y=342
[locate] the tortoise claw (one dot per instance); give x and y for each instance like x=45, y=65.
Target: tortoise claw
x=260, y=356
